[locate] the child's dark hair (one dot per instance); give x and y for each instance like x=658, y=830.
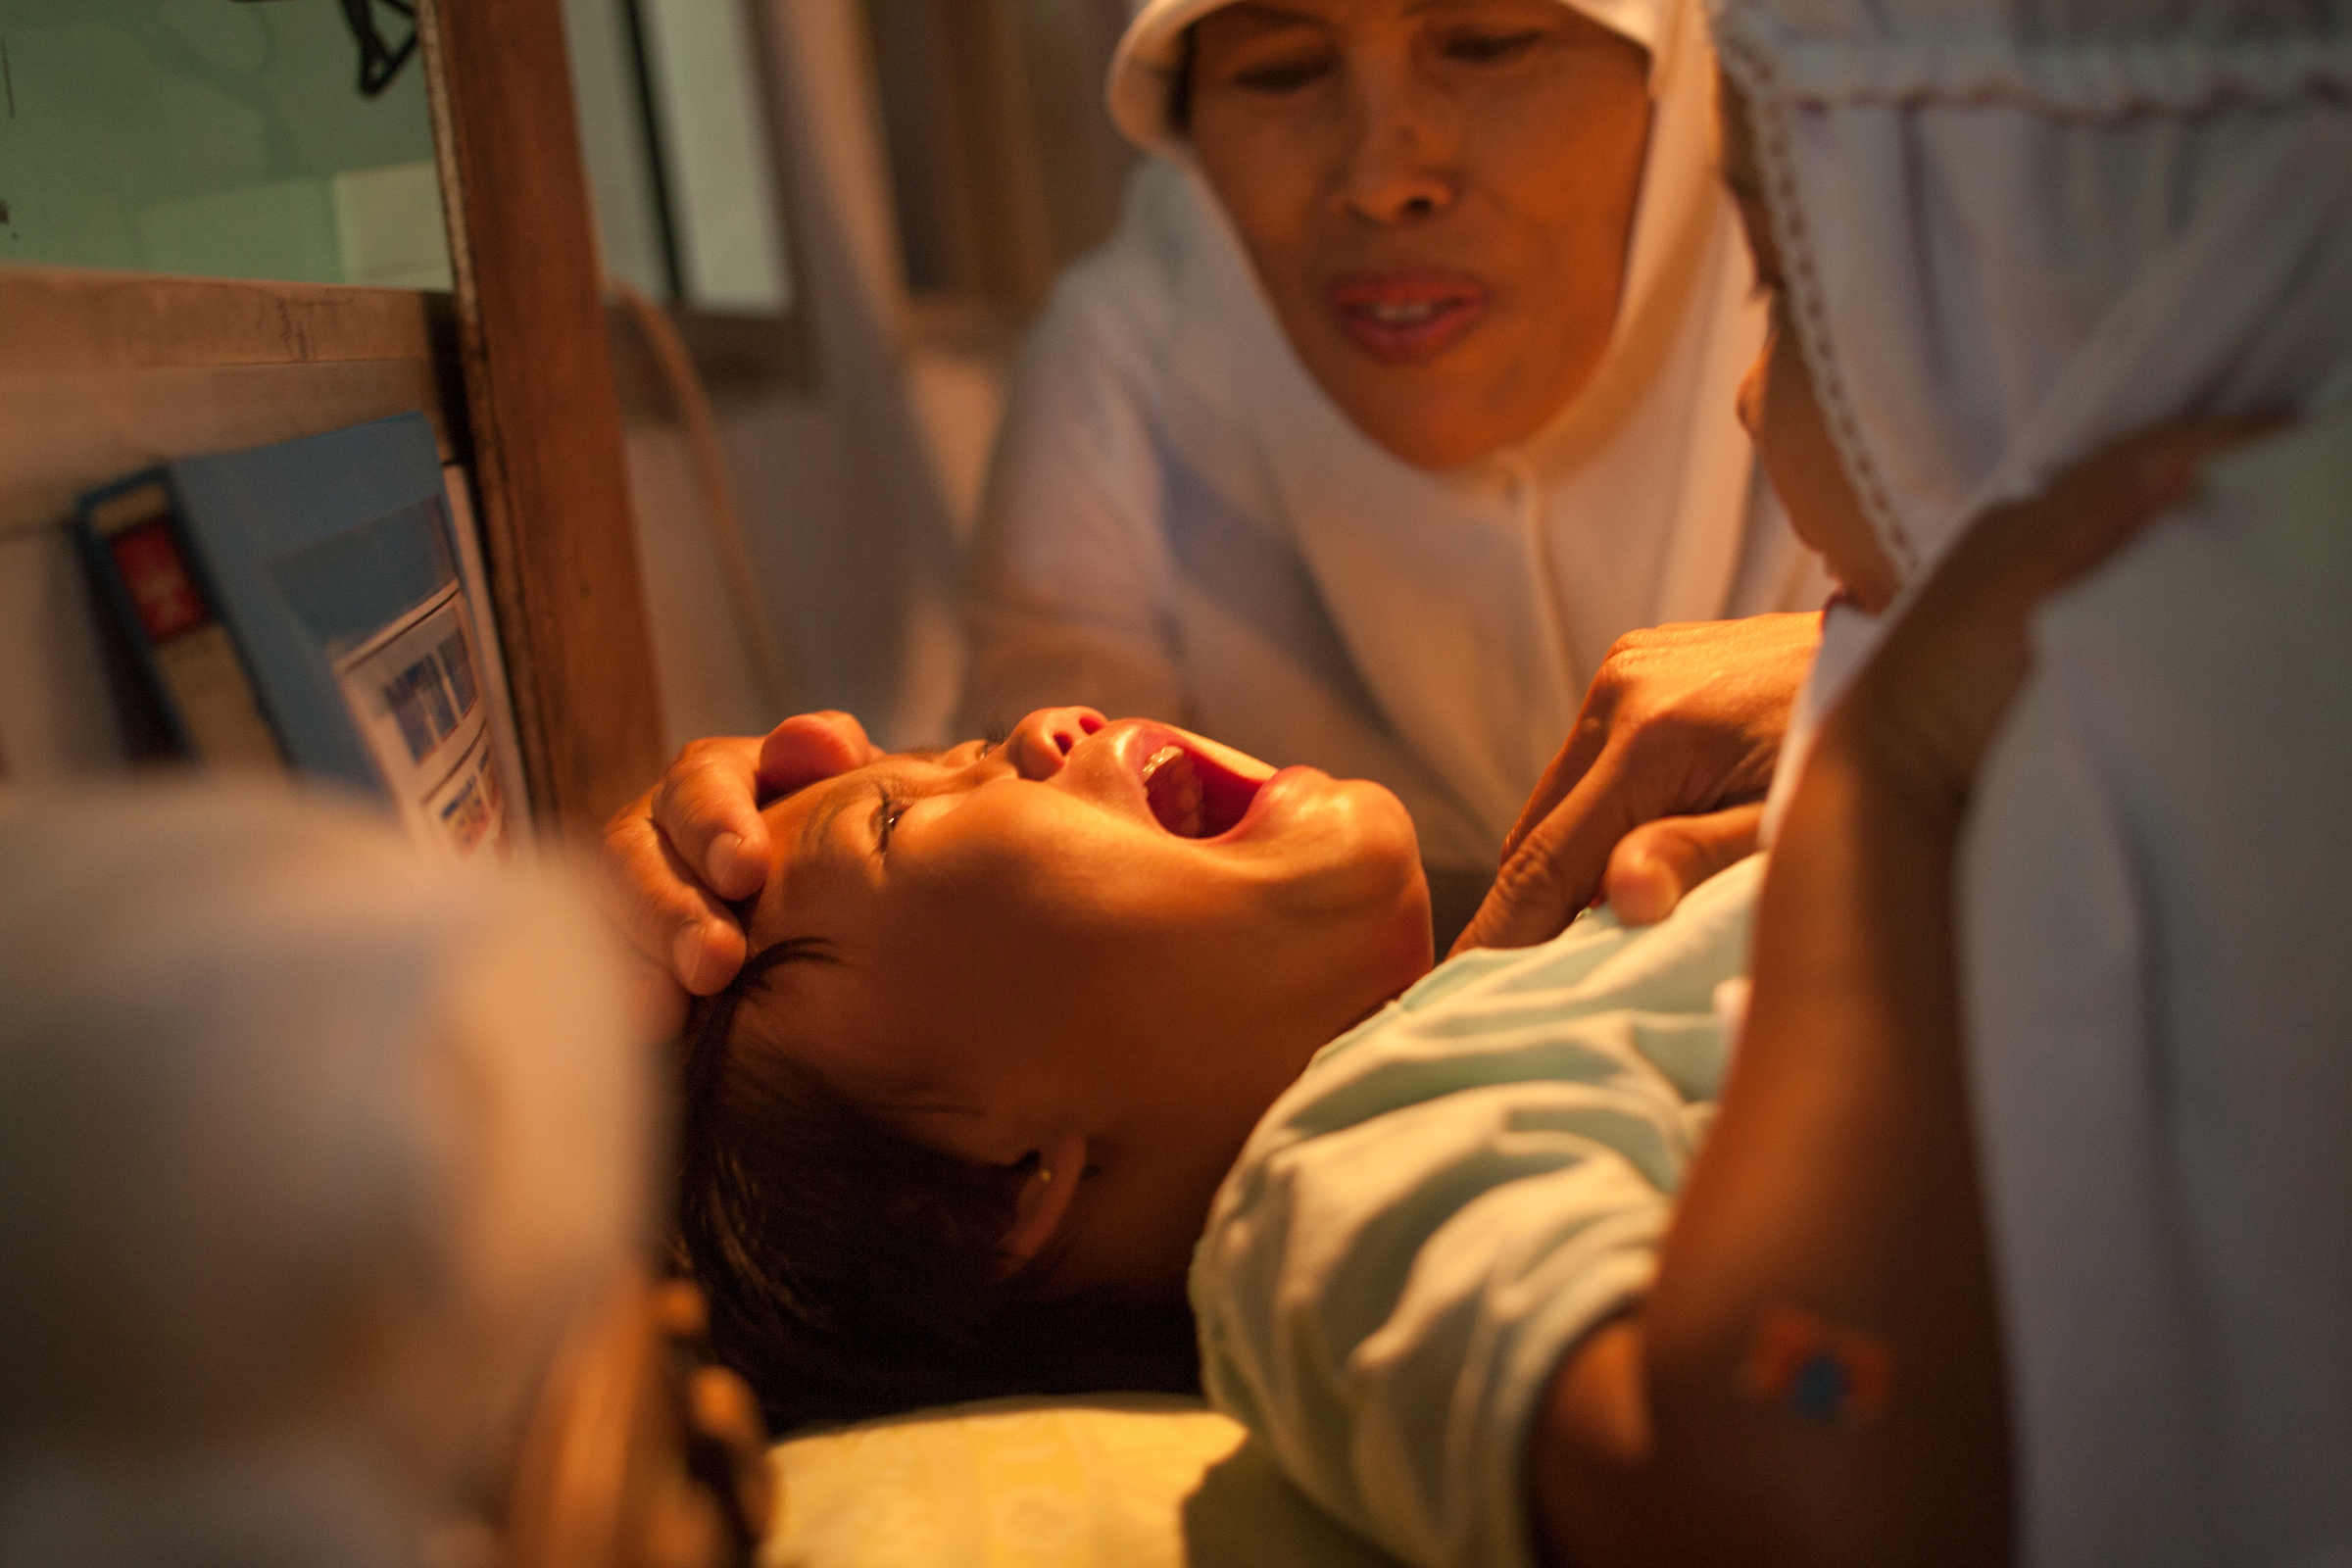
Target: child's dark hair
x=852, y=1272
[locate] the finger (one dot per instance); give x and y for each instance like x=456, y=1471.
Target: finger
x=1656, y=863
x=808, y=746
x=1937, y=688
x=1695, y=709
x=2039, y=546
x=681, y=1311
x=706, y=808
x=2103, y=502
x=1576, y=758
x=668, y=916
x=1551, y=876
x=720, y=1405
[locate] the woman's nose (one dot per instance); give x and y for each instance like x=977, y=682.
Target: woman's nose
x=1400, y=152
x=1042, y=743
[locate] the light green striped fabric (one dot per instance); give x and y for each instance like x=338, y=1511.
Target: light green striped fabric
x=1450, y=1197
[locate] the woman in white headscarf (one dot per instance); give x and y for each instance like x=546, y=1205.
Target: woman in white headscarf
x=2020, y=1227
x=1402, y=391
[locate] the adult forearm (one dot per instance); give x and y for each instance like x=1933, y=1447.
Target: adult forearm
x=1833, y=1215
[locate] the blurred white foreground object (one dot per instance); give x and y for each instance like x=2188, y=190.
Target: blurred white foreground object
x=309, y=1149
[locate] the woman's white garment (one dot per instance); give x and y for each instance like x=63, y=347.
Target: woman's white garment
x=2166, y=1097
x=2014, y=235
x=1448, y=1199
x=311, y=1148
x=1178, y=521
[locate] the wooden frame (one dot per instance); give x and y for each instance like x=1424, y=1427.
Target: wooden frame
x=544, y=414
x=108, y=372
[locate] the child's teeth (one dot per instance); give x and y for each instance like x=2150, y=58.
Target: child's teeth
x=1174, y=791
x=1403, y=315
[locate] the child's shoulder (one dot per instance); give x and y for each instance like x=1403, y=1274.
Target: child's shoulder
x=1599, y=999
x=1600, y=960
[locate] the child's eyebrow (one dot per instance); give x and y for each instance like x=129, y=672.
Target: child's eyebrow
x=848, y=791
x=844, y=794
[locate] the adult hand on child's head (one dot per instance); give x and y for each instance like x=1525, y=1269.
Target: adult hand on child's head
x=1659, y=785
x=1933, y=696
x=679, y=854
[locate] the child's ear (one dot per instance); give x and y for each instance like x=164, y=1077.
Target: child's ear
x=808, y=746
x=1044, y=1204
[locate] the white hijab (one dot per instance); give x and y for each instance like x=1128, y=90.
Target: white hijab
x=2015, y=235
x=1477, y=603
x=312, y=1148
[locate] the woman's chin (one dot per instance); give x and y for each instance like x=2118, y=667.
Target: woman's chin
x=1479, y=396
x=1436, y=439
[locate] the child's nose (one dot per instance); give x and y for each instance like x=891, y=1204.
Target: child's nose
x=1042, y=743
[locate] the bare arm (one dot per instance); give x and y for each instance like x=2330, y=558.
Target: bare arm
x=1839, y=1182
x=1837, y=1205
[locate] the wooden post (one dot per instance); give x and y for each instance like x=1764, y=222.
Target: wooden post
x=545, y=417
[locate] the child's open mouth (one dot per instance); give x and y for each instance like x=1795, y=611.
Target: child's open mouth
x=1193, y=796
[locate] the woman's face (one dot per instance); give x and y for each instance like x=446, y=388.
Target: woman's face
x=1437, y=195
x=1117, y=933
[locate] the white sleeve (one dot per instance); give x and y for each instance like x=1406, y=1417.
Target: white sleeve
x=1449, y=1198
x=1067, y=593
x=2154, y=880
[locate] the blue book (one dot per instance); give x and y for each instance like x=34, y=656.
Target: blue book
x=301, y=607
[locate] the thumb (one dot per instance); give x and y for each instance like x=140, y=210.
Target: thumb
x=1656, y=863
x=809, y=748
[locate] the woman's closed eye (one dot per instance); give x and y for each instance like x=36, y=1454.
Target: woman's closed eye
x=1284, y=74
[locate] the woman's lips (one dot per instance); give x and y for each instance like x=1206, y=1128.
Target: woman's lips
x=1406, y=317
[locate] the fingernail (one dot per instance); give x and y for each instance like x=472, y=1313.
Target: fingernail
x=1647, y=894
x=726, y=859
x=687, y=952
